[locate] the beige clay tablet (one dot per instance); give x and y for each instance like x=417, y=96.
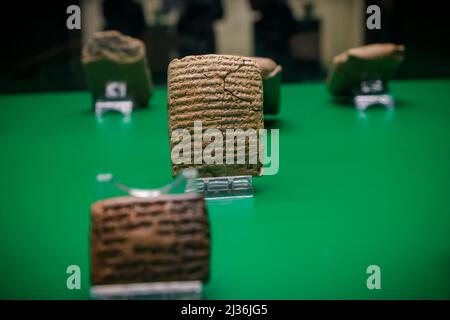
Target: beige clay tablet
x=223, y=92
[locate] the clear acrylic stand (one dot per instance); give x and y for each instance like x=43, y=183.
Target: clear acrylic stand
x=107, y=186
x=372, y=91
x=187, y=181
x=223, y=187
x=176, y=290
x=115, y=99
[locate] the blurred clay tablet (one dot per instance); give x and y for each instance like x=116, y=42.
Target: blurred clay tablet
x=351, y=67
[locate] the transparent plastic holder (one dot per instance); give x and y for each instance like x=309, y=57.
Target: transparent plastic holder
x=115, y=99
x=173, y=290
x=187, y=181
x=372, y=91
x=223, y=187
x=108, y=186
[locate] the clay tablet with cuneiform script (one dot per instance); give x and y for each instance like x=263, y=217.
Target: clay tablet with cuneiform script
x=113, y=57
x=351, y=67
x=222, y=92
x=135, y=240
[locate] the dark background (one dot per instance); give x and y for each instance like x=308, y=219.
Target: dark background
x=40, y=54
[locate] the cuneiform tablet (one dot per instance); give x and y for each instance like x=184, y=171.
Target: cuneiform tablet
x=135, y=240
x=223, y=92
x=111, y=56
x=271, y=76
x=349, y=68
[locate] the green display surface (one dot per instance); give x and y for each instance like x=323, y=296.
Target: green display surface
x=352, y=191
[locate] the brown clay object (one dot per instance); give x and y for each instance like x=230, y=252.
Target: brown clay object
x=271, y=74
x=135, y=240
x=111, y=56
x=349, y=68
x=223, y=92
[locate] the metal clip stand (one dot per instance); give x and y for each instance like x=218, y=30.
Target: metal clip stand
x=223, y=187
x=372, y=91
x=115, y=99
x=175, y=290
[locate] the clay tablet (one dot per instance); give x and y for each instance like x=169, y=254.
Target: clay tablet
x=135, y=240
x=271, y=76
x=223, y=92
x=110, y=56
x=352, y=66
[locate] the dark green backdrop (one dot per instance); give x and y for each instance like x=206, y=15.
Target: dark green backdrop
x=352, y=190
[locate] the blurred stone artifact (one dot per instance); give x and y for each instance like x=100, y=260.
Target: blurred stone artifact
x=271, y=76
x=364, y=64
x=116, y=66
x=141, y=240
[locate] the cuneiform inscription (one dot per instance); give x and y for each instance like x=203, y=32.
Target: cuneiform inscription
x=133, y=240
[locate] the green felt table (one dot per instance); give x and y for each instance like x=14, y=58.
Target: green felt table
x=353, y=190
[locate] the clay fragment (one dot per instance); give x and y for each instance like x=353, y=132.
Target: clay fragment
x=349, y=68
x=111, y=56
x=135, y=240
x=271, y=74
